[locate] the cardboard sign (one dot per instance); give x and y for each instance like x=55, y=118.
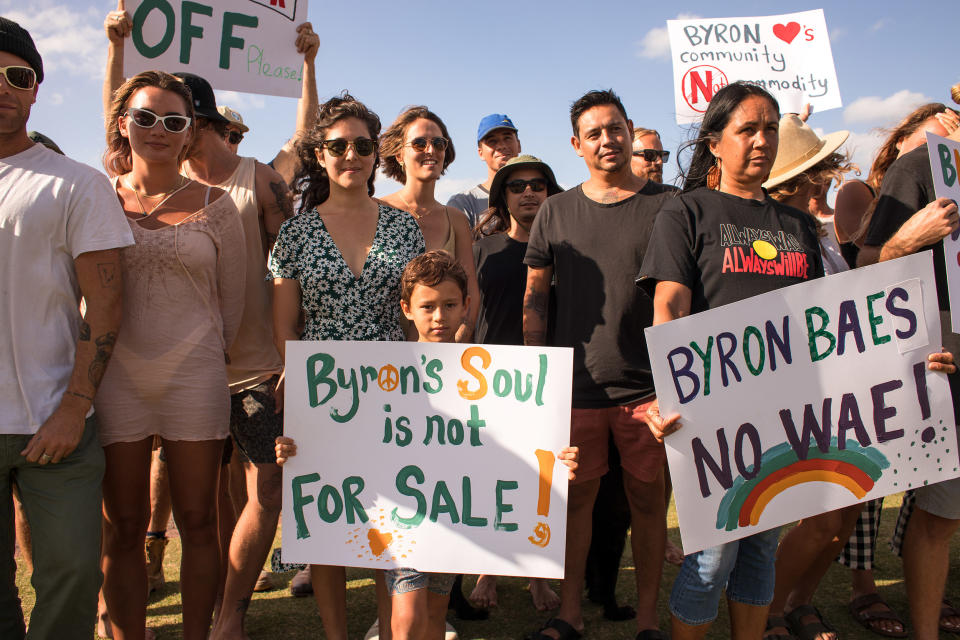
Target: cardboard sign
x=804, y=400
x=789, y=55
x=945, y=163
x=439, y=457
x=237, y=45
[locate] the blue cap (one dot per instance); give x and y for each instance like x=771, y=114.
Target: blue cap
x=491, y=122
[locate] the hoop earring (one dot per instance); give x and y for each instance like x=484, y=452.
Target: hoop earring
x=713, y=176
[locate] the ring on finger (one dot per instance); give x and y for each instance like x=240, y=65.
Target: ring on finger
x=45, y=457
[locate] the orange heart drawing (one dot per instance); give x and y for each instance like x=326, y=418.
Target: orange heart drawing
x=786, y=32
x=378, y=541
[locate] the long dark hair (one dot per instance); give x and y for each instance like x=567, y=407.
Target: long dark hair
x=724, y=103
x=311, y=181
x=491, y=221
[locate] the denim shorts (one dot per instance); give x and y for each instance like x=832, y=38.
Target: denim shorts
x=405, y=580
x=745, y=568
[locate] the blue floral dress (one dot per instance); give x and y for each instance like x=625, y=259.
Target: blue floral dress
x=338, y=305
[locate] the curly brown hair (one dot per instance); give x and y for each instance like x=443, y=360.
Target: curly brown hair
x=117, y=158
x=430, y=269
x=311, y=181
x=393, y=139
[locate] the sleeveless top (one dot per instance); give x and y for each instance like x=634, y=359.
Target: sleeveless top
x=253, y=356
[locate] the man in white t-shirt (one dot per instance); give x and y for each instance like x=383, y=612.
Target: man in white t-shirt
x=61, y=228
x=497, y=143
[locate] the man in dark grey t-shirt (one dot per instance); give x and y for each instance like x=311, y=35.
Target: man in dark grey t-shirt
x=592, y=239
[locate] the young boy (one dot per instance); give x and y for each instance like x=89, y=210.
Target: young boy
x=433, y=295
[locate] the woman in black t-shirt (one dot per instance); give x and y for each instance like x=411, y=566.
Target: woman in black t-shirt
x=722, y=240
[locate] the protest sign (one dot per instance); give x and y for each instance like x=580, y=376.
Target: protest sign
x=804, y=400
x=945, y=163
x=787, y=54
x=439, y=457
x=237, y=45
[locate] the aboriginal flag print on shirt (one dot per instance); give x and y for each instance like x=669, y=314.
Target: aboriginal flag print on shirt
x=726, y=248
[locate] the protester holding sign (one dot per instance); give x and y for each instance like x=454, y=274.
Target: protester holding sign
x=340, y=262
x=416, y=151
x=184, y=295
x=909, y=218
x=696, y=262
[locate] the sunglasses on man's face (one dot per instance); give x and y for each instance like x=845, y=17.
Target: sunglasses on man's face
x=420, y=144
x=19, y=77
x=148, y=119
x=519, y=186
x=338, y=146
x=234, y=137
x=651, y=155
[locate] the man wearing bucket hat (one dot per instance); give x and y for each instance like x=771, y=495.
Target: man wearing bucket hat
x=69, y=229
x=497, y=142
x=235, y=127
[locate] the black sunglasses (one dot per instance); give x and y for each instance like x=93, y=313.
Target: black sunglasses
x=338, y=146
x=438, y=143
x=148, y=119
x=234, y=137
x=19, y=77
x=652, y=154
x=519, y=186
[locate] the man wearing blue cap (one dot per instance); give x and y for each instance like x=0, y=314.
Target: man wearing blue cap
x=497, y=143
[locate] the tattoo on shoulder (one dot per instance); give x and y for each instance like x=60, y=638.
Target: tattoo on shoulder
x=84, y=330
x=282, y=195
x=100, y=359
x=108, y=274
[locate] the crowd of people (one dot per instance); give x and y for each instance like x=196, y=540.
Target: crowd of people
x=146, y=313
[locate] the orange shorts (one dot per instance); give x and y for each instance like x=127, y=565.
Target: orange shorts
x=640, y=454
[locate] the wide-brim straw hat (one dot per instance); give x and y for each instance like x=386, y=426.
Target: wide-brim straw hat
x=800, y=149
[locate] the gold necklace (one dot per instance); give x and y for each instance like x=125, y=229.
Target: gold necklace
x=181, y=184
x=413, y=209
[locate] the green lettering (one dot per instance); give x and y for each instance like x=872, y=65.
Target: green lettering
x=367, y=374
x=753, y=331
x=541, y=379
x=328, y=493
x=949, y=171
x=140, y=16
x=501, y=383
x=228, y=40
x=433, y=371
x=875, y=320
x=443, y=503
x=408, y=472
x=475, y=424
x=502, y=507
x=468, y=518
x=411, y=372
x=705, y=357
x=813, y=334
x=314, y=378
x=354, y=400
x=188, y=32
x=300, y=501
x=352, y=487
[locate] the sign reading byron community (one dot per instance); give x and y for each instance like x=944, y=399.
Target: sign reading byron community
x=439, y=457
x=239, y=45
x=788, y=54
x=945, y=164
x=804, y=400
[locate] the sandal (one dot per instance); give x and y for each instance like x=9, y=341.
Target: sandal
x=810, y=630
x=859, y=609
x=948, y=611
x=562, y=627
x=777, y=622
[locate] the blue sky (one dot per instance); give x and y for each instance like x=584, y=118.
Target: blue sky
x=527, y=59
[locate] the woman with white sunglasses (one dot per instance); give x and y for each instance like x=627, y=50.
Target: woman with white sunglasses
x=183, y=298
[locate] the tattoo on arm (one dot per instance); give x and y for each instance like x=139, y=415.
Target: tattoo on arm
x=84, y=331
x=100, y=359
x=79, y=395
x=282, y=195
x=537, y=301
x=108, y=274
x=534, y=338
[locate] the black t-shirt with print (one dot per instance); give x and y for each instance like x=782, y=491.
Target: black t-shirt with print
x=907, y=188
x=726, y=248
x=502, y=277
x=595, y=250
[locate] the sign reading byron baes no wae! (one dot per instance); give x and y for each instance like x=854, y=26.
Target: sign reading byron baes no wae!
x=788, y=54
x=804, y=400
x=237, y=45
x=439, y=457
x=945, y=165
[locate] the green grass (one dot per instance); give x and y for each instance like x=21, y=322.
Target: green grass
x=278, y=615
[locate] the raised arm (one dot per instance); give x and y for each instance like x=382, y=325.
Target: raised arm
x=536, y=303
x=100, y=278
x=275, y=203
x=118, y=26
x=308, y=107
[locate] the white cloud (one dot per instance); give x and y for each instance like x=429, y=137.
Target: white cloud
x=68, y=39
x=862, y=147
x=880, y=24
x=884, y=110
x=656, y=42
x=240, y=101
x=837, y=34
x=55, y=98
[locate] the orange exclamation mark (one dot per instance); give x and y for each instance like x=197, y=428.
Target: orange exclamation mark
x=541, y=533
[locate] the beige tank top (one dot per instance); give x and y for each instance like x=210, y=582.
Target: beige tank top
x=253, y=356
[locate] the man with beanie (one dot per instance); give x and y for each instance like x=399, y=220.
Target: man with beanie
x=63, y=228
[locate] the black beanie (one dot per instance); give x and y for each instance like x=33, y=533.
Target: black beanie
x=15, y=39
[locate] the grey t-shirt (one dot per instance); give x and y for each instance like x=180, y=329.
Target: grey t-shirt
x=595, y=249
x=472, y=202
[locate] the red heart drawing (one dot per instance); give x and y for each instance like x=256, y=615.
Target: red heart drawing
x=786, y=32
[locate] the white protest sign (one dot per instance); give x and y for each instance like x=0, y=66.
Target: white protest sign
x=439, y=457
x=804, y=400
x=788, y=54
x=237, y=45
x=945, y=163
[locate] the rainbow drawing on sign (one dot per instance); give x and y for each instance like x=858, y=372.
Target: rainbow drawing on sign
x=855, y=468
